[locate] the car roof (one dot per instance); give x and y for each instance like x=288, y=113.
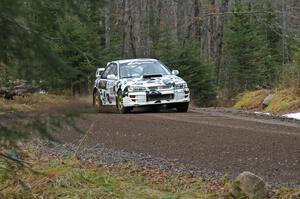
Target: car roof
x=123, y=61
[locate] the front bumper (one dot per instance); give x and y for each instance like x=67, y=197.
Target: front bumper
x=135, y=99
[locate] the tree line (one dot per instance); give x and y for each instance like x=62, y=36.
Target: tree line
x=56, y=43
x=221, y=47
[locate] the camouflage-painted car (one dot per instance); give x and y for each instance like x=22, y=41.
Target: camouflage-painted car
x=140, y=82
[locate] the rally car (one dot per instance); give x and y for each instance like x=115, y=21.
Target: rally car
x=131, y=83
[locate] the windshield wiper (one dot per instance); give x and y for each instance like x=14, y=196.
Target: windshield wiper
x=129, y=77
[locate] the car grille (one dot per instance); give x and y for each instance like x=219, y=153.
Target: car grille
x=160, y=87
x=158, y=97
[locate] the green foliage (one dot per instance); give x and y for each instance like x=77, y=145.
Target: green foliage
x=243, y=62
x=53, y=41
x=186, y=57
x=62, y=42
x=77, y=47
x=272, y=43
x=196, y=72
x=253, y=49
x=290, y=76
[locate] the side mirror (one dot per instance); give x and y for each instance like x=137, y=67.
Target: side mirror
x=111, y=77
x=99, y=72
x=175, y=72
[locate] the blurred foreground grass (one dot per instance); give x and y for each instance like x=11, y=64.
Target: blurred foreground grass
x=71, y=178
x=37, y=102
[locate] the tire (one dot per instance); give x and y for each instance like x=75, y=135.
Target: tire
x=94, y=100
x=94, y=97
x=182, y=107
x=120, y=105
x=98, y=102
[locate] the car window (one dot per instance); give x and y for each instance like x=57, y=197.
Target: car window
x=140, y=68
x=111, y=69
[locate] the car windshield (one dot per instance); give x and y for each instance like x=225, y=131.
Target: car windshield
x=140, y=68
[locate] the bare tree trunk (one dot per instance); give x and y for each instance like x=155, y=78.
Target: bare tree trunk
x=197, y=20
x=129, y=50
x=108, y=12
x=284, y=33
x=220, y=38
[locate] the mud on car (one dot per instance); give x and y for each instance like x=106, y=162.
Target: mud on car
x=131, y=83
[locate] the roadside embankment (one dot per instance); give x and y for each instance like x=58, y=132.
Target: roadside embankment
x=60, y=173
x=41, y=102
x=277, y=102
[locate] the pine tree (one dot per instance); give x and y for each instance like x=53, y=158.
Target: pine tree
x=290, y=77
x=32, y=32
x=272, y=33
x=186, y=57
x=196, y=72
x=243, y=52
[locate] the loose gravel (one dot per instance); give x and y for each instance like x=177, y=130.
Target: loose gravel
x=102, y=155
x=246, y=113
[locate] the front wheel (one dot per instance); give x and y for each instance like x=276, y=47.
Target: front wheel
x=94, y=99
x=97, y=102
x=95, y=93
x=182, y=107
x=120, y=105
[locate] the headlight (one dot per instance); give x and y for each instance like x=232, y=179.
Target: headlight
x=181, y=86
x=136, y=89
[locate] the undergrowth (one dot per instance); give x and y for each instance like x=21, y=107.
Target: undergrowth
x=283, y=101
x=32, y=102
x=72, y=178
x=251, y=100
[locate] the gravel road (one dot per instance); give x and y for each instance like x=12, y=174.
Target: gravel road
x=212, y=142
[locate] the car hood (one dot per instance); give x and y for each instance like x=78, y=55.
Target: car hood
x=153, y=81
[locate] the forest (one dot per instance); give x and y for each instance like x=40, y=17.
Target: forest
x=221, y=47
x=240, y=138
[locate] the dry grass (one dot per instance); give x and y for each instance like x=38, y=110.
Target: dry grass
x=32, y=102
x=284, y=101
x=72, y=178
x=251, y=100
x=75, y=179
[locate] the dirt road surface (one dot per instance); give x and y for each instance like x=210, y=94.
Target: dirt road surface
x=213, y=141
